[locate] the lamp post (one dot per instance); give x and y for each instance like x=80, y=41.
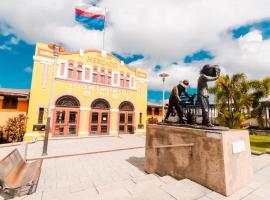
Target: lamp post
x=56, y=50
x=163, y=76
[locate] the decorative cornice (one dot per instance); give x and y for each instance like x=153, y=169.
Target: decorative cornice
x=43, y=60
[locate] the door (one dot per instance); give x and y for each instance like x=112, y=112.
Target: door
x=126, y=122
x=99, y=122
x=66, y=122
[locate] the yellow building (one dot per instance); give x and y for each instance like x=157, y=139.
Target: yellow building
x=93, y=93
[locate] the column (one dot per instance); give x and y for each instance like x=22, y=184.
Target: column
x=1, y=101
x=114, y=122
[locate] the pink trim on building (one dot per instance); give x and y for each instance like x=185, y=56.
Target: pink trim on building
x=132, y=81
x=62, y=70
x=45, y=76
x=115, y=79
x=87, y=74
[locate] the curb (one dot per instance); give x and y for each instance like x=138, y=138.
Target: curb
x=257, y=153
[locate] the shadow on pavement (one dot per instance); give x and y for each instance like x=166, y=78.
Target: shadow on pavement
x=137, y=162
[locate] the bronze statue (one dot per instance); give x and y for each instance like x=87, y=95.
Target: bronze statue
x=208, y=73
x=174, y=100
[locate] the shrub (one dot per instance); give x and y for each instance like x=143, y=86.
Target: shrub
x=13, y=130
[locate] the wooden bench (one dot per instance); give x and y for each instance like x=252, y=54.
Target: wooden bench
x=18, y=177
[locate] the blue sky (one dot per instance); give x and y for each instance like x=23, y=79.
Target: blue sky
x=15, y=63
x=16, y=56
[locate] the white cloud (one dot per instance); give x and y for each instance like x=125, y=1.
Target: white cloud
x=163, y=31
x=28, y=69
x=5, y=47
x=14, y=41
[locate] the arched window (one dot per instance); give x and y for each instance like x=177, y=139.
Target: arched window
x=67, y=101
x=126, y=106
x=100, y=104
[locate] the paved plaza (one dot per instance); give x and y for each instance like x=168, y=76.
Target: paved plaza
x=119, y=174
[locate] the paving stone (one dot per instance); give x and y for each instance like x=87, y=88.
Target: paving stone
x=116, y=185
x=70, y=196
x=204, y=198
x=108, y=169
x=255, y=197
x=145, y=186
x=143, y=178
x=35, y=196
x=215, y=196
x=186, y=190
x=90, y=193
x=117, y=194
x=55, y=193
x=262, y=192
x=155, y=193
x=168, y=179
x=78, y=187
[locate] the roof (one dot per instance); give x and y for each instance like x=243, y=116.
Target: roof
x=153, y=104
x=14, y=92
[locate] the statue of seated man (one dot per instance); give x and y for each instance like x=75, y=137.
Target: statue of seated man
x=208, y=73
x=174, y=100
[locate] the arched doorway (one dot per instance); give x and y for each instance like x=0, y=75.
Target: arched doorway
x=99, y=117
x=66, y=116
x=126, y=118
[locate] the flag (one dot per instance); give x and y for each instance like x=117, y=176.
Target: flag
x=91, y=17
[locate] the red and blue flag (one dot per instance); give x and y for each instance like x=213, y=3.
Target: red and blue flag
x=91, y=17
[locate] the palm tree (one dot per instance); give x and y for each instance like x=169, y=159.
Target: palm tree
x=232, y=95
x=261, y=89
x=235, y=93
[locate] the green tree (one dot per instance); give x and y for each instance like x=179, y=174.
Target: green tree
x=235, y=93
x=231, y=96
x=261, y=89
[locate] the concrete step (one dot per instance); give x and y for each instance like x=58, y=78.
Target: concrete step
x=185, y=190
x=147, y=177
x=153, y=193
x=116, y=194
x=145, y=183
x=168, y=179
x=110, y=187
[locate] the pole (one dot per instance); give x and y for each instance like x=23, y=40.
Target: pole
x=103, y=37
x=25, y=150
x=56, y=50
x=163, y=76
x=163, y=96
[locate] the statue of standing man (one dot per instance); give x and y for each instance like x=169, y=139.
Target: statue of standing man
x=208, y=73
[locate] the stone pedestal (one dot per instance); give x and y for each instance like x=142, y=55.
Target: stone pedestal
x=219, y=160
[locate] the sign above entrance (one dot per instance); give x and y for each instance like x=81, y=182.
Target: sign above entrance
x=100, y=61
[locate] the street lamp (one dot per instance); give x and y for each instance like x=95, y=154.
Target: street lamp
x=163, y=76
x=56, y=50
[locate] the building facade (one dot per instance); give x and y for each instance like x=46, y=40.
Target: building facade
x=154, y=113
x=93, y=93
x=12, y=103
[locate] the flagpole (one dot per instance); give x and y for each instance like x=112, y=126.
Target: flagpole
x=103, y=38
